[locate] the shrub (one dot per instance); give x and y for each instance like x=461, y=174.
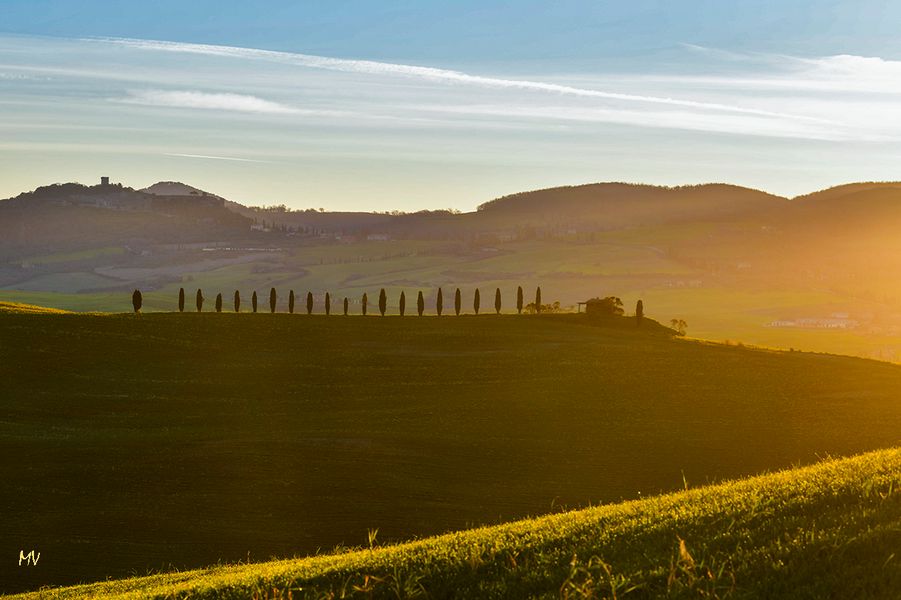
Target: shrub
x=519, y=300
x=237, y=301
x=291, y=302
x=420, y=304
x=199, y=300
x=137, y=300
x=309, y=303
x=181, y=300
x=402, y=304
x=383, y=301
x=272, y=299
x=219, y=303
x=497, y=300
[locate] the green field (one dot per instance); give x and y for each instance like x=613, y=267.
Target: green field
x=163, y=441
x=827, y=531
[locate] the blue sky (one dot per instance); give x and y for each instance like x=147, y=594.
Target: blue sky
x=409, y=105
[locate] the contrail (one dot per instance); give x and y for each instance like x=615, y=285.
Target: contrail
x=431, y=74
x=215, y=157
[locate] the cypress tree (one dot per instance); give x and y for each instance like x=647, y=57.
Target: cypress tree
x=328, y=304
x=476, y=301
x=345, y=306
x=639, y=312
x=538, y=301
x=497, y=300
x=272, y=298
x=458, y=302
x=181, y=299
x=402, y=304
x=309, y=303
x=420, y=304
x=365, y=303
x=219, y=303
x=383, y=301
x=137, y=300
x=519, y=300
x=253, y=301
x=199, y=300
x=237, y=301
x=439, y=303
x=291, y=302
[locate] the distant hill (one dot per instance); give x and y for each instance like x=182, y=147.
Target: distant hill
x=174, y=188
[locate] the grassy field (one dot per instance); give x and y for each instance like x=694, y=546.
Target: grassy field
x=827, y=531
x=179, y=440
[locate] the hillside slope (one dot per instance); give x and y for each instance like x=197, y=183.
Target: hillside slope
x=185, y=439
x=827, y=531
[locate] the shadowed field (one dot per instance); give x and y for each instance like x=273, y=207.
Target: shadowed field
x=144, y=442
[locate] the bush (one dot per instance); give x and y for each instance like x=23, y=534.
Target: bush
x=137, y=300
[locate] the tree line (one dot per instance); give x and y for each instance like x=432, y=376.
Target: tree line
x=199, y=299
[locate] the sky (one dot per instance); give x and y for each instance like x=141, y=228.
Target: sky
x=351, y=105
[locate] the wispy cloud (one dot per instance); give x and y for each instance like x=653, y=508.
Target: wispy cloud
x=435, y=75
x=210, y=157
x=208, y=101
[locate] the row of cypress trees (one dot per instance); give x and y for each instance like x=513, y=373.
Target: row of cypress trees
x=382, y=305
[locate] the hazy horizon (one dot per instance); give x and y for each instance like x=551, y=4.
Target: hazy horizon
x=335, y=117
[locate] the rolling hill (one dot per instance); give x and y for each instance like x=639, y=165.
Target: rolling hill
x=179, y=440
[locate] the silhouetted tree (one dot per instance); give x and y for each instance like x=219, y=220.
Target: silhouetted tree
x=538, y=300
x=199, y=300
x=328, y=304
x=497, y=300
x=181, y=300
x=439, y=303
x=458, y=302
x=402, y=304
x=519, y=300
x=291, y=302
x=272, y=299
x=219, y=303
x=345, y=306
x=639, y=312
x=476, y=301
x=365, y=303
x=383, y=301
x=253, y=301
x=237, y=301
x=420, y=304
x=137, y=300
x=309, y=303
